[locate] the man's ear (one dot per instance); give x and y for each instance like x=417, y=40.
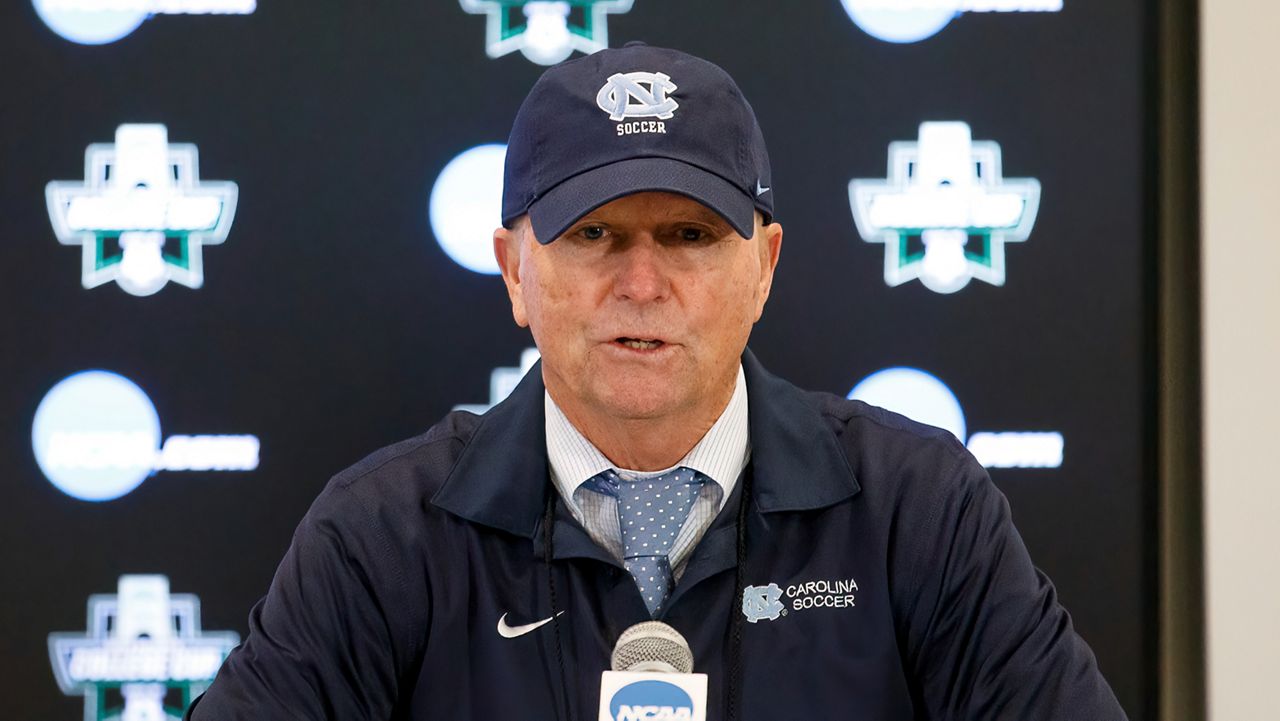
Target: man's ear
x=506, y=249
x=771, y=248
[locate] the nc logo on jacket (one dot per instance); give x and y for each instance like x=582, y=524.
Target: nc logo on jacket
x=650, y=102
x=762, y=602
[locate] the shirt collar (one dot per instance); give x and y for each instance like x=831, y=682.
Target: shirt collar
x=501, y=476
x=720, y=455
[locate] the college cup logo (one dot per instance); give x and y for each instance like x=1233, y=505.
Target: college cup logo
x=945, y=211
x=142, y=215
x=545, y=32
x=142, y=642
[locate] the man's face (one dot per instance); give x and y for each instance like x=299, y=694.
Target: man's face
x=643, y=307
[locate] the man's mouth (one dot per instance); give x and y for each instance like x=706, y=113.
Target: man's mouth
x=639, y=343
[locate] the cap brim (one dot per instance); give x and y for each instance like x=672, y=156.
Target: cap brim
x=562, y=206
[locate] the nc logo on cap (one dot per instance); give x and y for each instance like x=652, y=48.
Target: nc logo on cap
x=651, y=102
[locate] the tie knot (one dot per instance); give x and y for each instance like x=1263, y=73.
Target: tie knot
x=611, y=483
x=651, y=511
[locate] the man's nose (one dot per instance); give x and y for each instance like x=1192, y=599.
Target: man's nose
x=640, y=275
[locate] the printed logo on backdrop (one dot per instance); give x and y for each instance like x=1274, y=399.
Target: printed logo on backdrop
x=142, y=215
x=922, y=397
x=545, y=32
x=502, y=381
x=96, y=437
x=945, y=211
x=466, y=205
x=98, y=22
x=143, y=655
x=909, y=21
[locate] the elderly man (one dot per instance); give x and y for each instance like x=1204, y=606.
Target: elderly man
x=825, y=559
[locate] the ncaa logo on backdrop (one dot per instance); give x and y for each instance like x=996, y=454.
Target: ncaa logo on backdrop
x=142, y=215
x=466, y=205
x=909, y=21
x=545, y=32
x=98, y=22
x=924, y=398
x=96, y=437
x=945, y=211
x=651, y=701
x=140, y=642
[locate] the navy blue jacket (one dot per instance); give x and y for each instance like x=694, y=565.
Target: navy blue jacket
x=900, y=588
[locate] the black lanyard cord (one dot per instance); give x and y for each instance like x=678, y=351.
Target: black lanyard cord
x=735, y=610
x=548, y=526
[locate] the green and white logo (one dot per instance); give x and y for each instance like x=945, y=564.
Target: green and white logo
x=945, y=211
x=546, y=32
x=143, y=655
x=142, y=215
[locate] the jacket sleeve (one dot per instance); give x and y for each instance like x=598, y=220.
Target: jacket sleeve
x=320, y=644
x=985, y=637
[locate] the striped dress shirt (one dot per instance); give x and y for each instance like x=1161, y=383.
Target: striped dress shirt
x=721, y=456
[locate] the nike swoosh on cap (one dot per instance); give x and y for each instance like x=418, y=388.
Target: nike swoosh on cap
x=761, y=189
x=506, y=631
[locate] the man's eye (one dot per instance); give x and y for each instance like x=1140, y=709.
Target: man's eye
x=592, y=232
x=691, y=234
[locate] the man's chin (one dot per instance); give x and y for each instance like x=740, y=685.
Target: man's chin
x=638, y=402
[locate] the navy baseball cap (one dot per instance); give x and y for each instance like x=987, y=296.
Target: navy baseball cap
x=632, y=119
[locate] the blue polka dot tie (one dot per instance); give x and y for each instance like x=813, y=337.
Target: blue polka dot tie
x=651, y=512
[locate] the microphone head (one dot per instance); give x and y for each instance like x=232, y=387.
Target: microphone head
x=652, y=646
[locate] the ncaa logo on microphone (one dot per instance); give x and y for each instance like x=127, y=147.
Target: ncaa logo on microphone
x=650, y=700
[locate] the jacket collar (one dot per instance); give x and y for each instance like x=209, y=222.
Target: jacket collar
x=501, y=478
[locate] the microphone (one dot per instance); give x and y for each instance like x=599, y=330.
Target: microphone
x=652, y=646
x=652, y=678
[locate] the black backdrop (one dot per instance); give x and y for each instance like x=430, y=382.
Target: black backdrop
x=331, y=322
